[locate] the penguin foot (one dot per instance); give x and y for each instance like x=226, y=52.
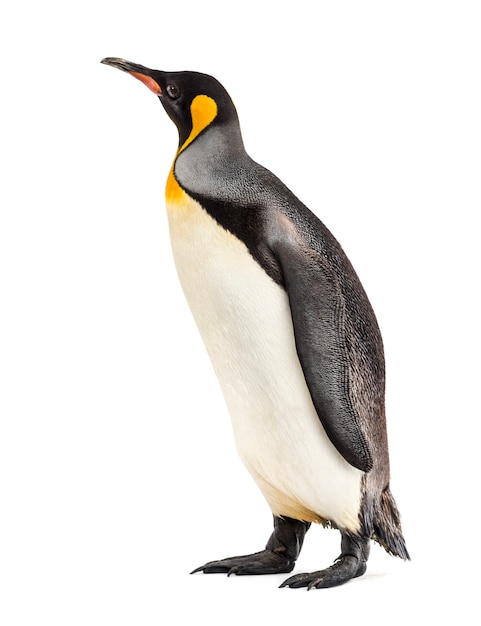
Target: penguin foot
x=343, y=569
x=351, y=564
x=265, y=562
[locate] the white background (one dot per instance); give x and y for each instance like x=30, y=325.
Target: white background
x=118, y=473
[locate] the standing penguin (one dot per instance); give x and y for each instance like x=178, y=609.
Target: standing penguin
x=291, y=335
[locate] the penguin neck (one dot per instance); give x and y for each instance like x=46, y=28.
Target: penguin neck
x=210, y=157
x=219, y=140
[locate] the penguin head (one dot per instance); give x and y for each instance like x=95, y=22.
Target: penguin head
x=192, y=100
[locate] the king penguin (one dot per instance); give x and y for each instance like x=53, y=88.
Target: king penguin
x=291, y=335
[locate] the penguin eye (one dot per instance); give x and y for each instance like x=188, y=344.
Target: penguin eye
x=173, y=91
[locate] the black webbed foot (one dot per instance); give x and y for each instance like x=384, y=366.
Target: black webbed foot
x=351, y=564
x=265, y=562
x=343, y=569
x=279, y=557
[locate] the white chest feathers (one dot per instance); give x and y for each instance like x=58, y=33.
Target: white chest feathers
x=245, y=322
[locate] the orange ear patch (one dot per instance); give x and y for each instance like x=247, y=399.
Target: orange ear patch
x=149, y=82
x=203, y=110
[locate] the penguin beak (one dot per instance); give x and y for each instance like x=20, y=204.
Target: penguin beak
x=144, y=74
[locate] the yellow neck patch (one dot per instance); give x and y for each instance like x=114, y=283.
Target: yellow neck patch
x=203, y=111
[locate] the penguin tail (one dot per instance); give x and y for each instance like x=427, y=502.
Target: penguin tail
x=387, y=526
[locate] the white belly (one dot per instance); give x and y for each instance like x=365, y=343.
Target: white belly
x=245, y=322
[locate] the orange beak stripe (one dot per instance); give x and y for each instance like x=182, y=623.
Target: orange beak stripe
x=149, y=82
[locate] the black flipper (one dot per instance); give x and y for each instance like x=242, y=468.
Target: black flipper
x=325, y=349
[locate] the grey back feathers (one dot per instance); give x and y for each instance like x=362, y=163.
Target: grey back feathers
x=337, y=337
